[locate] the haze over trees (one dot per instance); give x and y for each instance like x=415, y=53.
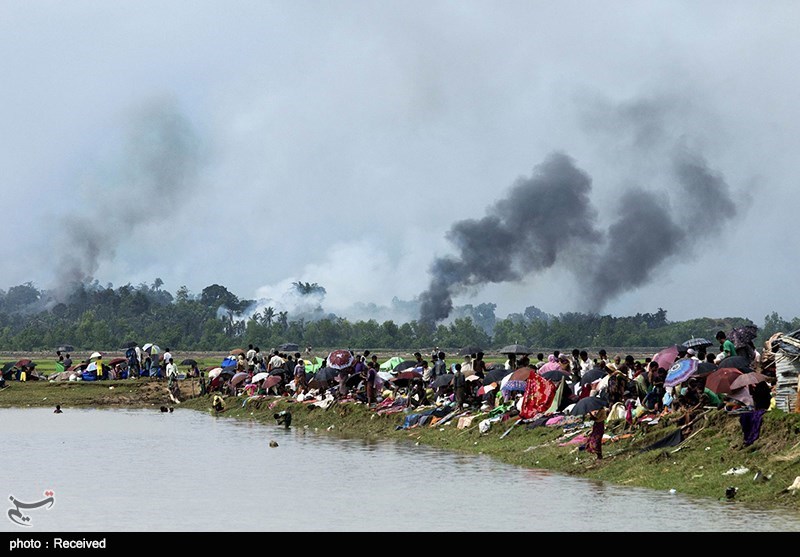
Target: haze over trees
x=93, y=316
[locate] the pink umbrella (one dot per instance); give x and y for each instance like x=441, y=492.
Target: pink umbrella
x=271, y=381
x=238, y=378
x=340, y=359
x=666, y=357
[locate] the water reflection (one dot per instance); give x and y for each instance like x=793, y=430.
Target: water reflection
x=143, y=470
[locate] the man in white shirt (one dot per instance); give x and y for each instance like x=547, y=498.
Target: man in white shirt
x=172, y=371
x=275, y=362
x=167, y=356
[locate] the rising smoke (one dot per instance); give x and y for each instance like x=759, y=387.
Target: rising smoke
x=547, y=220
x=542, y=218
x=158, y=165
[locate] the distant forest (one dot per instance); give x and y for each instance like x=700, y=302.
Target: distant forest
x=97, y=317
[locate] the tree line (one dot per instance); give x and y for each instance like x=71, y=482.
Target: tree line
x=92, y=316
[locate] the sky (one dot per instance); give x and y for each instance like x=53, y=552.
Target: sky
x=616, y=157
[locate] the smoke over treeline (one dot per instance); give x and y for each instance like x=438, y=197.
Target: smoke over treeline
x=158, y=165
x=548, y=220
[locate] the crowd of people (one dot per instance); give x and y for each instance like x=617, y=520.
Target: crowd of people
x=581, y=386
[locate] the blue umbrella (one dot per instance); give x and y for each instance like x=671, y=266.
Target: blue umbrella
x=680, y=372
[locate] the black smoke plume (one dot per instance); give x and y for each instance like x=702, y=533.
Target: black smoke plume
x=542, y=218
x=548, y=220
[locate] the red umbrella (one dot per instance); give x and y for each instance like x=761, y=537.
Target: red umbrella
x=237, y=351
x=666, y=357
x=116, y=361
x=23, y=362
x=720, y=381
x=340, y=359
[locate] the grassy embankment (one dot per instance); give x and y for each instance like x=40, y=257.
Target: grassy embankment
x=695, y=468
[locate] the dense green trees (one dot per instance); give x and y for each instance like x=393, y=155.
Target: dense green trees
x=96, y=317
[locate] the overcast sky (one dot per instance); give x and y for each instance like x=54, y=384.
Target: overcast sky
x=255, y=143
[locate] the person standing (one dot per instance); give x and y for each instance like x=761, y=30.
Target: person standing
x=167, y=356
x=459, y=384
x=369, y=381
x=250, y=356
x=440, y=367
x=428, y=372
x=275, y=362
x=479, y=366
x=172, y=373
x=300, y=385
x=466, y=366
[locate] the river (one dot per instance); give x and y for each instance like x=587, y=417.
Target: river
x=143, y=470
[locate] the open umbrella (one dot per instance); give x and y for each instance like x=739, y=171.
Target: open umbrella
x=680, y=371
x=487, y=389
x=588, y=404
x=228, y=372
x=340, y=359
x=326, y=374
x=353, y=380
x=259, y=376
x=24, y=362
x=116, y=361
x=151, y=348
x=467, y=350
x=495, y=375
x=404, y=378
x=237, y=351
x=720, y=381
x=66, y=348
x=272, y=380
x=666, y=357
x=742, y=394
x=442, y=381
x=704, y=369
x=555, y=375
x=747, y=379
x=591, y=375
x=189, y=362
x=404, y=365
x=238, y=378
x=521, y=374
x=212, y=373
x=7, y=366
x=697, y=343
x=738, y=362
x=131, y=344
x=518, y=349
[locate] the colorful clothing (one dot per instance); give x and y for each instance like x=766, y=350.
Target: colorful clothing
x=538, y=397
